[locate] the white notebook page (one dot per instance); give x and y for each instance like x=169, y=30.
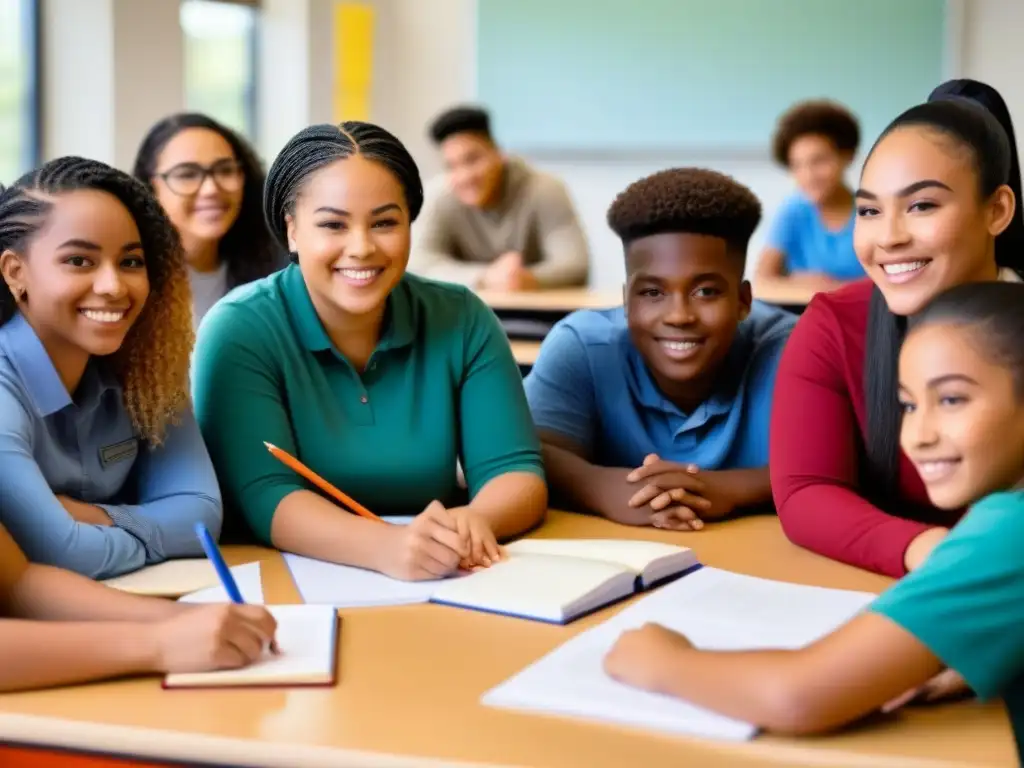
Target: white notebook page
x=540, y=586
x=344, y=586
x=716, y=610
x=307, y=637
x=635, y=555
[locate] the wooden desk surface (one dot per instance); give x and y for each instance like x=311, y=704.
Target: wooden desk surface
x=411, y=679
x=525, y=351
x=553, y=300
x=570, y=299
x=784, y=295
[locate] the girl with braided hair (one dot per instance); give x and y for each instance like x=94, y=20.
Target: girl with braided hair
x=102, y=467
x=378, y=380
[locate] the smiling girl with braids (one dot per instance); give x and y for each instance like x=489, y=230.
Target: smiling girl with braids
x=378, y=380
x=102, y=467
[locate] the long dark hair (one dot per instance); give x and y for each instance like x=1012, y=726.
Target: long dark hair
x=995, y=311
x=975, y=116
x=248, y=248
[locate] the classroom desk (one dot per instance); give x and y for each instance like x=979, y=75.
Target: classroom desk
x=793, y=298
x=529, y=315
x=411, y=678
x=525, y=352
x=561, y=300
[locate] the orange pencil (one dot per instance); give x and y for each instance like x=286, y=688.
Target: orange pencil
x=294, y=464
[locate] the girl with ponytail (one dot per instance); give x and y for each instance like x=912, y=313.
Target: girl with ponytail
x=939, y=205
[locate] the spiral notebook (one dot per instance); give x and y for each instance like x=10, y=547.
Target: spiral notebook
x=551, y=580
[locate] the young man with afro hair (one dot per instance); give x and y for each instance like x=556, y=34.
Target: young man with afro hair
x=492, y=221
x=810, y=243
x=656, y=413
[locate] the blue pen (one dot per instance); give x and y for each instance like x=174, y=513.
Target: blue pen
x=213, y=553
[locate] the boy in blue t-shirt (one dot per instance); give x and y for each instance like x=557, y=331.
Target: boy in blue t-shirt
x=656, y=413
x=810, y=242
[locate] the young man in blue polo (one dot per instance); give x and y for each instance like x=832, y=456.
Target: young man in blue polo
x=657, y=412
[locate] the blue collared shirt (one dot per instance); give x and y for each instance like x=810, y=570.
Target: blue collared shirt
x=87, y=449
x=591, y=385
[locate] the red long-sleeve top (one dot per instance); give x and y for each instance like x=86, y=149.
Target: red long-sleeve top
x=817, y=444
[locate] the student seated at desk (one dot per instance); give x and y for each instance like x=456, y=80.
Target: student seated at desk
x=810, y=243
x=961, y=383
x=656, y=413
x=378, y=380
x=102, y=467
x=494, y=222
x=210, y=183
x=58, y=628
x=939, y=206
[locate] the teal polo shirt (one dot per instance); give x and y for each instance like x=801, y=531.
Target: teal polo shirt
x=442, y=386
x=966, y=603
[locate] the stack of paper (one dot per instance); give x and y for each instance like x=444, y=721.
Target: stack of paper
x=716, y=610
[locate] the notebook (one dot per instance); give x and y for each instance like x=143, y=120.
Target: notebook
x=173, y=578
x=308, y=638
x=552, y=580
x=715, y=609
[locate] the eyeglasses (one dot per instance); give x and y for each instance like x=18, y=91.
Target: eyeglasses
x=188, y=178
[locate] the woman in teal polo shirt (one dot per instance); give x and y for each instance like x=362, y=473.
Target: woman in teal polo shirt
x=379, y=381
x=961, y=373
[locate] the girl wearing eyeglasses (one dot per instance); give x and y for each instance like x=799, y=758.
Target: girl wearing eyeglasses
x=210, y=183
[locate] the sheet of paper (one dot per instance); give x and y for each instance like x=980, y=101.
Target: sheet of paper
x=307, y=637
x=171, y=578
x=249, y=582
x=323, y=583
x=716, y=610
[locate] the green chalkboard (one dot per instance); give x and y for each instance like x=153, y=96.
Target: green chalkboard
x=615, y=75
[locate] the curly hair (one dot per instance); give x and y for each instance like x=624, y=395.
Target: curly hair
x=463, y=119
x=247, y=247
x=153, y=363
x=820, y=117
x=689, y=200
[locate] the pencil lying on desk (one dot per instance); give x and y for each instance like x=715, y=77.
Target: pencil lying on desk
x=297, y=466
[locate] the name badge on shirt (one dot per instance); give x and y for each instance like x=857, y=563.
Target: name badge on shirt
x=123, y=451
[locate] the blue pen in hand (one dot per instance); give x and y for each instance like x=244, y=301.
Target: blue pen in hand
x=223, y=572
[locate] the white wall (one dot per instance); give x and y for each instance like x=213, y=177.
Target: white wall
x=992, y=51
x=106, y=76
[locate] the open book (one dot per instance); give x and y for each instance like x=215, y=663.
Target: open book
x=716, y=610
x=307, y=636
x=553, y=580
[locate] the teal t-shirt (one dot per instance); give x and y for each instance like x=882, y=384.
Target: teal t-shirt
x=966, y=603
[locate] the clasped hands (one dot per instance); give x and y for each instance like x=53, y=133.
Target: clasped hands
x=439, y=542
x=677, y=497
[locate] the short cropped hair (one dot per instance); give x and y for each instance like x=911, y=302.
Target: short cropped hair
x=687, y=200
x=464, y=119
x=820, y=117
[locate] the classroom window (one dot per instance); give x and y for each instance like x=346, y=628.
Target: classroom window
x=19, y=102
x=220, y=61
